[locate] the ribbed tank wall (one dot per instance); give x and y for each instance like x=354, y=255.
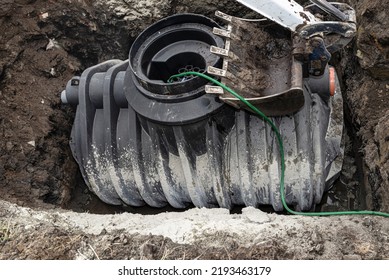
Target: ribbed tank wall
x=227, y=158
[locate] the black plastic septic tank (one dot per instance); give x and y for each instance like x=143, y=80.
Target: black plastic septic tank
x=141, y=138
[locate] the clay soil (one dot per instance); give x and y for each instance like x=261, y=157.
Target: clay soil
x=44, y=43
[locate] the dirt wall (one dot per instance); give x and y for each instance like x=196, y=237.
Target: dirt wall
x=42, y=45
x=366, y=77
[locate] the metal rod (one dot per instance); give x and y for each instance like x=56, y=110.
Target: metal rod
x=329, y=8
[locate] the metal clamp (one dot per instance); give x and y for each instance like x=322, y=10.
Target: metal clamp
x=337, y=33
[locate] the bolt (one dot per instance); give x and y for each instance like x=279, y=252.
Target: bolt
x=304, y=33
x=75, y=82
x=349, y=34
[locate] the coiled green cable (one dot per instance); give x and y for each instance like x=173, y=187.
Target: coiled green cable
x=281, y=146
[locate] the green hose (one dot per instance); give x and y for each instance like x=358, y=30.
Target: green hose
x=280, y=143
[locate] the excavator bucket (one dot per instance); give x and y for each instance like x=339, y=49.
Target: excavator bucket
x=259, y=64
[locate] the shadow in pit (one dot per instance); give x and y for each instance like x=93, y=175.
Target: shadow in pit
x=350, y=191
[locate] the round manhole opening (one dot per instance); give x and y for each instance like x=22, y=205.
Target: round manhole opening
x=178, y=44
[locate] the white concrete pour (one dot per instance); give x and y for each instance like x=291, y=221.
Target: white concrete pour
x=181, y=227
x=300, y=237
x=184, y=227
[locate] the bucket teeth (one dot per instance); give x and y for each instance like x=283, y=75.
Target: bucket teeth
x=214, y=90
x=237, y=39
x=224, y=53
x=223, y=16
x=216, y=71
x=219, y=51
x=222, y=32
